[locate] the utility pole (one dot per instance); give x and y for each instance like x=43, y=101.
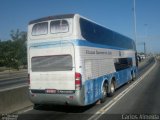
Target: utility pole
x=135, y=27
x=145, y=41
x=144, y=48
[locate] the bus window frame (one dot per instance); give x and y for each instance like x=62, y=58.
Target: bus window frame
x=51, y=35
x=59, y=20
x=37, y=24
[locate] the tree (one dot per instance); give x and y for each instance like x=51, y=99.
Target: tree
x=13, y=53
x=19, y=42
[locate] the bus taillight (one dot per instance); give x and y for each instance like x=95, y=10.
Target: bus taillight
x=78, y=81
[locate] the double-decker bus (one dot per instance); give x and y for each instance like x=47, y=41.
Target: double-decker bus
x=75, y=61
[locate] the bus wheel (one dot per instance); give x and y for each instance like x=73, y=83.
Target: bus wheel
x=112, y=89
x=104, y=93
x=133, y=76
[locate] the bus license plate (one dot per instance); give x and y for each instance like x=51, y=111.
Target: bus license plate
x=50, y=91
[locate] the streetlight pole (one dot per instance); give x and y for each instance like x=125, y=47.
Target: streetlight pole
x=135, y=27
x=145, y=41
x=145, y=48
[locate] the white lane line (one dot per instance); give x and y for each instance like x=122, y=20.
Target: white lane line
x=25, y=110
x=104, y=109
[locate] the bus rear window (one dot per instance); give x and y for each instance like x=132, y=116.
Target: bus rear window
x=51, y=63
x=40, y=28
x=59, y=26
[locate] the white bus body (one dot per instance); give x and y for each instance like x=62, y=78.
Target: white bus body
x=65, y=68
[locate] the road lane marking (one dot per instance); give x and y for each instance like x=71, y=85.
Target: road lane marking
x=104, y=109
x=29, y=108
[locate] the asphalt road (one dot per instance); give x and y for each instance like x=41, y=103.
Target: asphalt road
x=12, y=79
x=12, y=74
x=143, y=99
x=13, y=82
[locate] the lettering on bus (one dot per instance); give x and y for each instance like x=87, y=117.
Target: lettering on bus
x=96, y=52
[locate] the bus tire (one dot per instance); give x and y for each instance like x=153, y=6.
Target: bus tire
x=112, y=89
x=104, y=93
x=133, y=76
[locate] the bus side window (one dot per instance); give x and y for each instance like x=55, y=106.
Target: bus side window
x=123, y=63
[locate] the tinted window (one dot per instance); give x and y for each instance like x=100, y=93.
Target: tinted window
x=87, y=29
x=59, y=26
x=101, y=35
x=52, y=63
x=123, y=63
x=40, y=28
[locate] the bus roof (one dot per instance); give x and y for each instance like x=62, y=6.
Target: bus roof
x=52, y=17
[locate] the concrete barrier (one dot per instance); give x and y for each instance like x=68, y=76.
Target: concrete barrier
x=14, y=99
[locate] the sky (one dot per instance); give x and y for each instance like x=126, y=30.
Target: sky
x=114, y=14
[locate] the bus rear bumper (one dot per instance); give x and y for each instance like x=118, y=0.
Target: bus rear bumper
x=76, y=99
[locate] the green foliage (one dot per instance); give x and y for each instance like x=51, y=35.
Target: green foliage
x=13, y=53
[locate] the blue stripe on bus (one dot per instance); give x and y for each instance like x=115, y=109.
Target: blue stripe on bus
x=93, y=86
x=75, y=42
x=89, y=44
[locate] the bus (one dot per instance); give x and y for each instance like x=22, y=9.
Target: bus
x=75, y=61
